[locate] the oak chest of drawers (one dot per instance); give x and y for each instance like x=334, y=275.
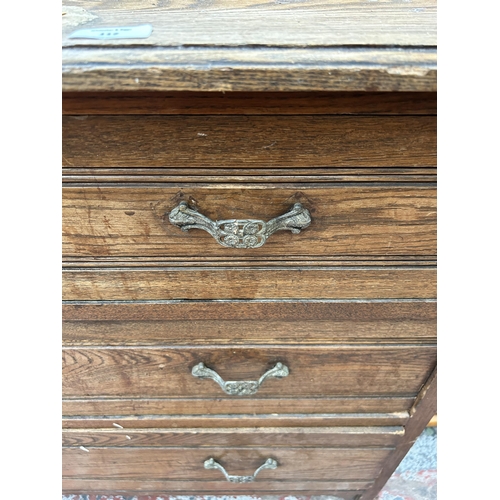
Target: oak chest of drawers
x=249, y=244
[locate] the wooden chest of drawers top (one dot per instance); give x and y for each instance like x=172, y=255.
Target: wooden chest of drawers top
x=310, y=45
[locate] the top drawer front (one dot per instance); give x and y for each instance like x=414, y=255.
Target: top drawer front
x=249, y=141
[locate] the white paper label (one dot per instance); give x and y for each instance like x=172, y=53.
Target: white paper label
x=114, y=33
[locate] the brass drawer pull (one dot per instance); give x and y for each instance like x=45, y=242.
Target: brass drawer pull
x=242, y=388
x=270, y=463
x=240, y=233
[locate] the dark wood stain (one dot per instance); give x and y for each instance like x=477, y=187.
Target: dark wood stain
x=249, y=141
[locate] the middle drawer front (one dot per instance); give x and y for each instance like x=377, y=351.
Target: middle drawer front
x=114, y=221
x=312, y=371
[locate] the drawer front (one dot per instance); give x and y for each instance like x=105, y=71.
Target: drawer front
x=103, y=221
x=249, y=322
x=294, y=465
x=331, y=460
x=235, y=372
x=249, y=141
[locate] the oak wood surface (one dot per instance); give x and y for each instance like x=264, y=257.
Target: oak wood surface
x=253, y=419
x=345, y=45
x=249, y=141
x=248, y=322
x=154, y=463
x=398, y=310
x=144, y=486
x=238, y=332
x=346, y=220
x=252, y=283
x=314, y=371
x=221, y=69
x=248, y=103
x=340, y=23
x=220, y=406
x=215, y=5
x=350, y=437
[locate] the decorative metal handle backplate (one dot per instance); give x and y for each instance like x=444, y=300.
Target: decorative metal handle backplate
x=240, y=233
x=270, y=463
x=243, y=388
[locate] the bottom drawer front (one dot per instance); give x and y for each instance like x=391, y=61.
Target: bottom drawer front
x=188, y=464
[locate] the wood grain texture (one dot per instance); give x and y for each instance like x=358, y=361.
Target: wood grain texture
x=340, y=23
x=248, y=103
x=254, y=283
x=287, y=46
x=249, y=141
x=248, y=322
x=246, y=70
x=204, y=407
x=146, y=487
x=423, y=410
x=215, y=5
x=346, y=220
x=393, y=418
x=314, y=371
x=188, y=5
x=318, y=310
x=238, y=332
x=184, y=464
x=350, y=437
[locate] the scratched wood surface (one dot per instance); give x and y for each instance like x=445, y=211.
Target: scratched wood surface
x=252, y=419
x=133, y=221
x=350, y=437
x=314, y=371
x=305, y=45
x=248, y=141
x=266, y=70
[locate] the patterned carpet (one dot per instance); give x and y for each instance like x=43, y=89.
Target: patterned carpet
x=416, y=476
x=414, y=479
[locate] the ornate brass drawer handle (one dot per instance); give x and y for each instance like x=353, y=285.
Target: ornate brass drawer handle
x=240, y=233
x=243, y=388
x=270, y=463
